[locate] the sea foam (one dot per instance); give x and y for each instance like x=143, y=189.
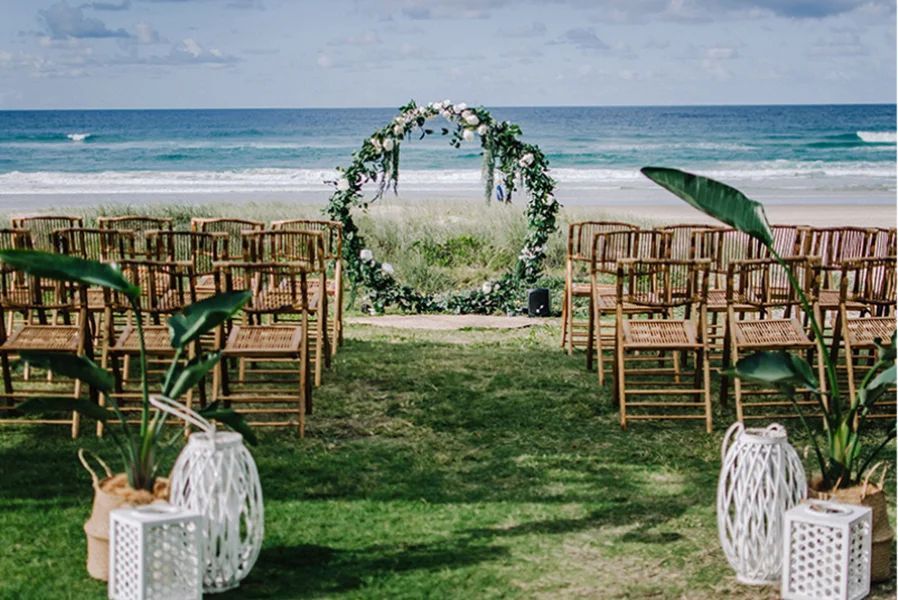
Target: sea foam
x=78, y=137
x=877, y=137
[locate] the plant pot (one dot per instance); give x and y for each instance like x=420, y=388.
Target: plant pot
x=109, y=494
x=872, y=496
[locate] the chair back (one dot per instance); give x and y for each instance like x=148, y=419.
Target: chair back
x=201, y=249
x=884, y=242
x=277, y=287
x=682, y=239
x=721, y=246
x=764, y=284
x=870, y=281
x=581, y=236
x=232, y=227
x=43, y=226
x=103, y=245
x=834, y=245
x=788, y=240
x=332, y=230
x=662, y=283
x=165, y=286
x=304, y=247
x=139, y=225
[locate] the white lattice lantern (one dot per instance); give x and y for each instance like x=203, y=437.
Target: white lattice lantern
x=155, y=553
x=216, y=476
x=760, y=479
x=826, y=551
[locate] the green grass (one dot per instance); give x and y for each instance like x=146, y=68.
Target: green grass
x=470, y=464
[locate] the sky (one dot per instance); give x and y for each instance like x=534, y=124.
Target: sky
x=351, y=53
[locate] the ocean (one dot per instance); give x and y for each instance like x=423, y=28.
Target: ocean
x=826, y=153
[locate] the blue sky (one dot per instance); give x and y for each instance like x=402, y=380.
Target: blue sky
x=305, y=53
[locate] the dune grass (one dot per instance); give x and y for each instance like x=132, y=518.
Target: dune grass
x=467, y=464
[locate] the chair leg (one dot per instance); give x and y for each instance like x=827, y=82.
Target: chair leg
x=706, y=384
x=737, y=388
x=725, y=364
x=76, y=416
x=620, y=385
x=591, y=333
x=564, y=316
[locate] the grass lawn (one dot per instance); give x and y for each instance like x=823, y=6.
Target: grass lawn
x=472, y=464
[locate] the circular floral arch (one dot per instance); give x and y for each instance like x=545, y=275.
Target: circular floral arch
x=508, y=164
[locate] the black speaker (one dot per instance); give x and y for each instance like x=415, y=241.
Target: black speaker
x=538, y=302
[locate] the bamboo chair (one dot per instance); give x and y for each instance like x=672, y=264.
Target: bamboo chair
x=333, y=254
x=165, y=288
x=307, y=249
x=608, y=248
x=869, y=282
x=34, y=300
x=885, y=242
x=576, y=334
x=834, y=246
x=41, y=228
x=139, y=225
x=231, y=227
x=654, y=284
x=682, y=239
x=201, y=249
x=19, y=239
x=277, y=289
x=762, y=315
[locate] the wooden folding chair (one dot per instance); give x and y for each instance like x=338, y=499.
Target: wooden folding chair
x=762, y=315
x=307, y=249
x=229, y=226
x=41, y=228
x=870, y=283
x=657, y=285
x=200, y=248
x=333, y=254
x=885, y=242
x=608, y=248
x=20, y=292
x=278, y=289
x=139, y=225
x=574, y=333
x=835, y=245
x=165, y=288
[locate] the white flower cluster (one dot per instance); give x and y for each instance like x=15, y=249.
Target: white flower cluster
x=526, y=160
x=387, y=268
x=366, y=255
x=528, y=254
x=489, y=287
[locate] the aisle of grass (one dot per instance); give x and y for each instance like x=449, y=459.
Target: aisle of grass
x=473, y=464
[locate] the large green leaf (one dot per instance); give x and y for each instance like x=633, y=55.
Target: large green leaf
x=189, y=375
x=70, y=365
x=777, y=368
x=79, y=405
x=68, y=268
x=201, y=317
x=232, y=419
x=724, y=203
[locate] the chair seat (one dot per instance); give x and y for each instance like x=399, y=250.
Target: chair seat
x=862, y=331
x=275, y=299
x=829, y=300
x=59, y=338
x=786, y=333
x=585, y=289
x=659, y=334
x=264, y=340
x=608, y=303
x=330, y=286
x=156, y=340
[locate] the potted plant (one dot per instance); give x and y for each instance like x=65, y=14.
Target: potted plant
x=844, y=456
x=139, y=447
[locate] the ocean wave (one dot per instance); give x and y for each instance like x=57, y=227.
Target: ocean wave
x=782, y=174
x=78, y=137
x=878, y=137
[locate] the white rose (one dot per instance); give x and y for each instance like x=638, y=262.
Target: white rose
x=483, y=129
x=387, y=268
x=375, y=143
x=472, y=119
x=447, y=102
x=460, y=107
x=486, y=288
x=496, y=288
x=388, y=144
x=342, y=184
x=445, y=114
x=468, y=135
x=366, y=255
x=526, y=160
x=397, y=129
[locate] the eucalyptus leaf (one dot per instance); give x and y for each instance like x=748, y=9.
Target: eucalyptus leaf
x=79, y=405
x=724, y=203
x=69, y=268
x=70, y=365
x=201, y=317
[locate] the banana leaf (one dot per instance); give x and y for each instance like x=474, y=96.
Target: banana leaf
x=69, y=365
x=69, y=268
x=201, y=317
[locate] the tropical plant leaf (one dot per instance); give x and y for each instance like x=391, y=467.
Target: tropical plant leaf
x=190, y=374
x=70, y=365
x=69, y=268
x=79, y=405
x=777, y=368
x=724, y=203
x=201, y=317
x=886, y=352
x=232, y=419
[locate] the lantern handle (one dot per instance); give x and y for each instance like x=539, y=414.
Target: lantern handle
x=725, y=445
x=182, y=412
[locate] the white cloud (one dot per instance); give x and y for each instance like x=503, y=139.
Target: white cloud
x=64, y=21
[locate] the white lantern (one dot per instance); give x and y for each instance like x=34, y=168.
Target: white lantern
x=156, y=553
x=216, y=476
x=760, y=479
x=826, y=551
